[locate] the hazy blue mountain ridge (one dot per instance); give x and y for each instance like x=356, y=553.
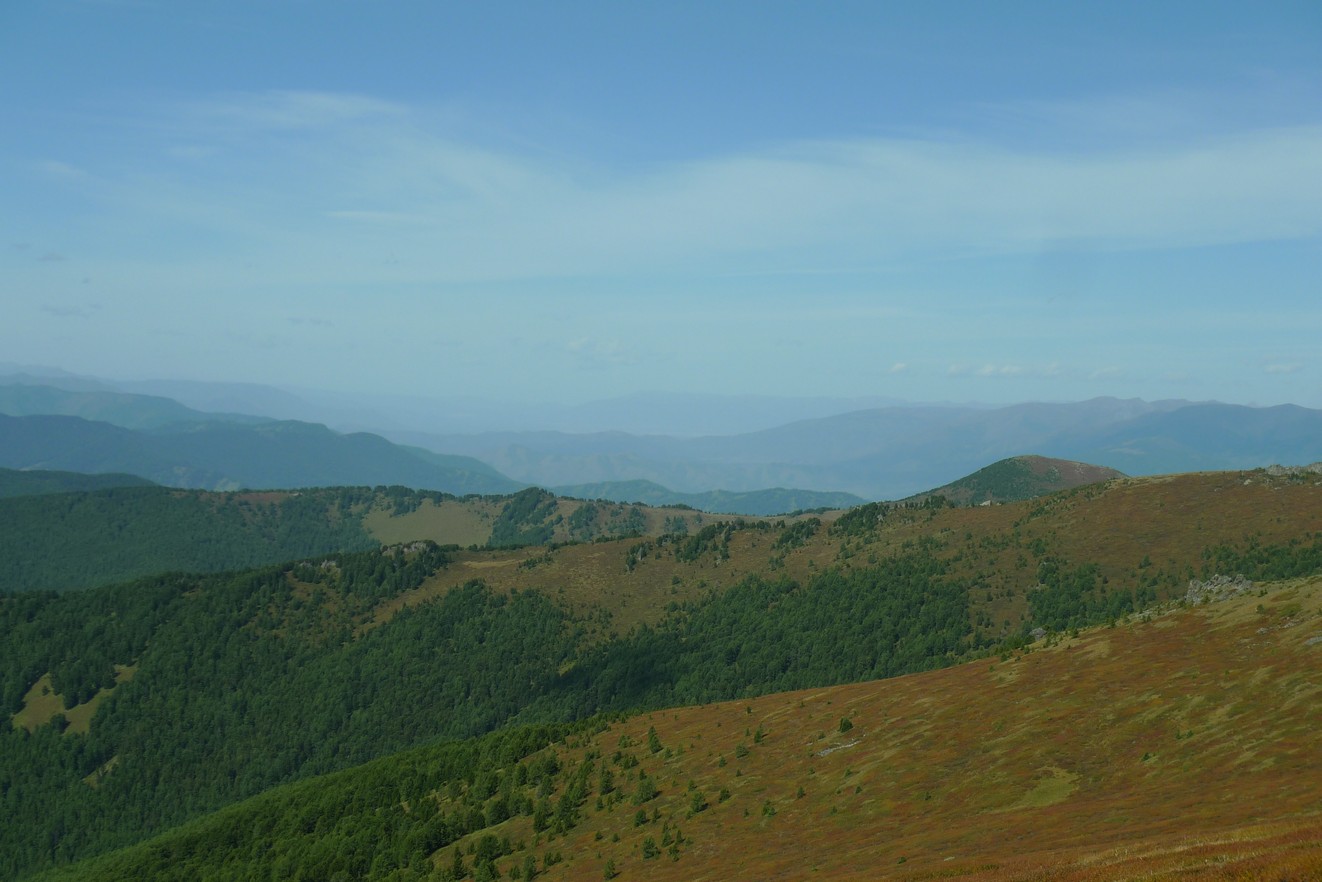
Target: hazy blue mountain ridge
x=117, y=408
x=885, y=452
x=228, y=456
x=895, y=452
x=1201, y=437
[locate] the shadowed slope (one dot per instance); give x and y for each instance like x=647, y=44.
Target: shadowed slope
x=1182, y=747
x=1186, y=745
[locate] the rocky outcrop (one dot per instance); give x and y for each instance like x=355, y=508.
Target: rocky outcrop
x=1280, y=471
x=1217, y=588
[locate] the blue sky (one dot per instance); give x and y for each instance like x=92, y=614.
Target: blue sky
x=570, y=201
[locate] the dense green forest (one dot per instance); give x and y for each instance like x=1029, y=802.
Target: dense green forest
x=37, y=482
x=765, y=636
x=66, y=541
x=526, y=519
x=69, y=541
x=1258, y=560
x=383, y=819
x=248, y=680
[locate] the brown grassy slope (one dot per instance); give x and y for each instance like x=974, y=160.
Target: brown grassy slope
x=593, y=579
x=1189, y=747
x=1169, y=521
x=449, y=522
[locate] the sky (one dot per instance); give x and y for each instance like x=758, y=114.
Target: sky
x=562, y=202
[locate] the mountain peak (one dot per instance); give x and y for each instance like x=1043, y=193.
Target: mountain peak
x=1019, y=477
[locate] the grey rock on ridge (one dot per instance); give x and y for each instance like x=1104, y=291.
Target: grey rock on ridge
x=1217, y=588
x=1280, y=471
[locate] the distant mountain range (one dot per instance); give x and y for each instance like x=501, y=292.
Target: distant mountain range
x=876, y=452
x=119, y=408
x=895, y=452
x=230, y=456
x=641, y=413
x=91, y=430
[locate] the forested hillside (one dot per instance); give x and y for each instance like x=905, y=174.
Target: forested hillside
x=39, y=482
x=237, y=683
x=141, y=705
x=1103, y=755
x=71, y=541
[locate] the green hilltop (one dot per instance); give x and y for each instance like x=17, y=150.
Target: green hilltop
x=1018, y=478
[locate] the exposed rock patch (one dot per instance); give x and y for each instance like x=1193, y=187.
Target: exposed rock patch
x=1217, y=588
x=1280, y=471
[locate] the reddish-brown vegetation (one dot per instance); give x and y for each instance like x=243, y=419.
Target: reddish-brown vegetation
x=1187, y=747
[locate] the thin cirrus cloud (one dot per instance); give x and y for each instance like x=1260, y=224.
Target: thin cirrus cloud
x=591, y=353
x=1019, y=370
x=340, y=176
x=1006, y=371
x=239, y=112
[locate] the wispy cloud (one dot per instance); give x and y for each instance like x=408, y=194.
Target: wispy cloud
x=311, y=321
x=1019, y=370
x=1001, y=370
x=1158, y=116
x=64, y=310
x=600, y=353
x=463, y=211
x=376, y=217
x=287, y=110
x=57, y=169
x=1283, y=368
